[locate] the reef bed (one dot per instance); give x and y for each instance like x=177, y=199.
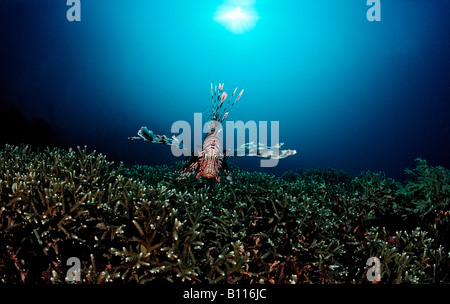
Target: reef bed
x=140, y=224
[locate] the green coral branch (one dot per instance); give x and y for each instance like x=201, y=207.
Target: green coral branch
x=139, y=224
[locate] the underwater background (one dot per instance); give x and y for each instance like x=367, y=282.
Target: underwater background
x=349, y=94
x=364, y=103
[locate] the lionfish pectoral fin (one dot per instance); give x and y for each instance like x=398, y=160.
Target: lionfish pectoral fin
x=280, y=154
x=190, y=167
x=134, y=137
x=148, y=135
x=261, y=150
x=224, y=167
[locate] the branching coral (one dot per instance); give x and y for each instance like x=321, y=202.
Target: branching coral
x=427, y=191
x=142, y=224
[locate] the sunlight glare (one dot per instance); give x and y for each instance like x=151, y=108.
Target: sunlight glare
x=237, y=16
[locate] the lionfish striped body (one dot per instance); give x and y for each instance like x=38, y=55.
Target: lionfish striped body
x=210, y=160
x=210, y=157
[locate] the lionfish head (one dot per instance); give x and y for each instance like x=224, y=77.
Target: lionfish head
x=209, y=168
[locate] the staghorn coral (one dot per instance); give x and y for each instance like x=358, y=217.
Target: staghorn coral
x=141, y=224
x=427, y=192
x=406, y=256
x=60, y=204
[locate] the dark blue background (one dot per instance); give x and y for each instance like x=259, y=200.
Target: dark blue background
x=349, y=94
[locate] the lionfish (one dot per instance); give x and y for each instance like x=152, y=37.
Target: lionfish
x=210, y=159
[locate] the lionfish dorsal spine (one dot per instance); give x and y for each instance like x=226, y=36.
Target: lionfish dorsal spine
x=222, y=102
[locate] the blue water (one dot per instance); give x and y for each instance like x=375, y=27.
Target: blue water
x=349, y=94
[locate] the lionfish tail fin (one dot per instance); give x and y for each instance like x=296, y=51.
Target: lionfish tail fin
x=222, y=102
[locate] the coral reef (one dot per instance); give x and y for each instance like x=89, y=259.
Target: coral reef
x=139, y=224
